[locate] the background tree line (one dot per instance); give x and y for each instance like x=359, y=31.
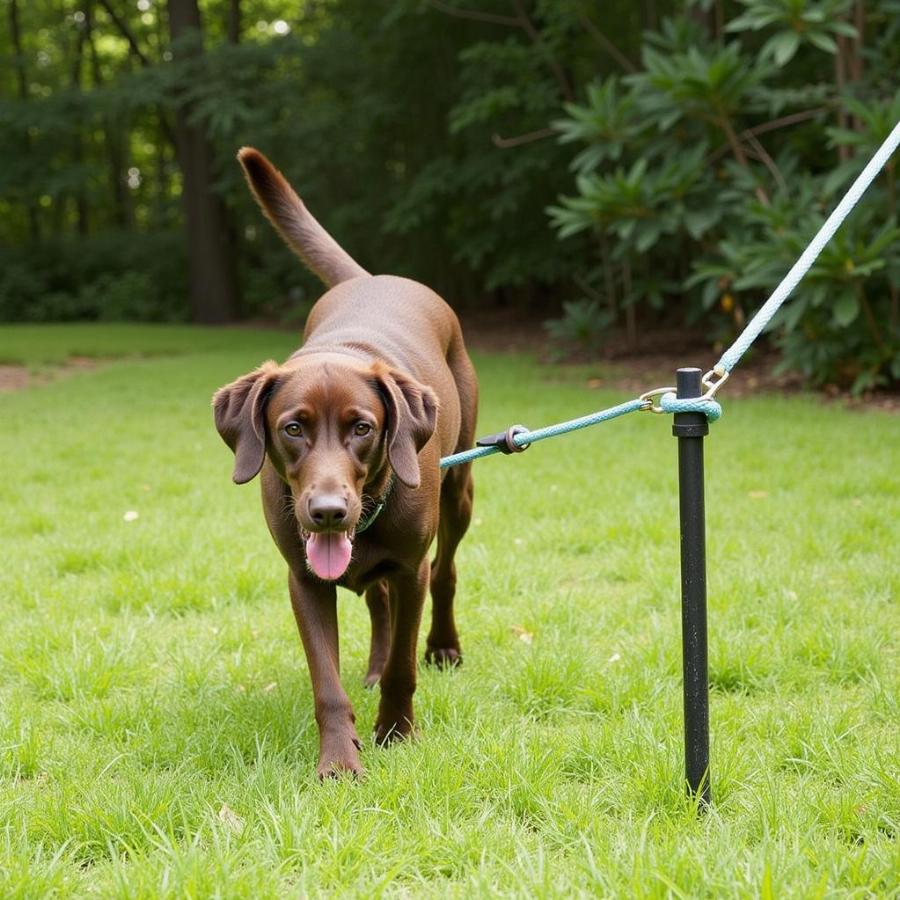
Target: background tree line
x=620, y=165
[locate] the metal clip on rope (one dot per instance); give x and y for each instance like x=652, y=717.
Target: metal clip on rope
x=647, y=399
x=505, y=441
x=712, y=386
x=669, y=402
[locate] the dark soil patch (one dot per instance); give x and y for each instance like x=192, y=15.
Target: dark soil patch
x=17, y=378
x=654, y=361
x=14, y=378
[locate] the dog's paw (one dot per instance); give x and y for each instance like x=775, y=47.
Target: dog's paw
x=338, y=769
x=391, y=728
x=443, y=657
x=339, y=755
x=374, y=673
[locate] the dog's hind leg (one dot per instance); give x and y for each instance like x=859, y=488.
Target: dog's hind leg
x=406, y=592
x=380, y=614
x=442, y=647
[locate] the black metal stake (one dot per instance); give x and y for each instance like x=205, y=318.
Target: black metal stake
x=690, y=428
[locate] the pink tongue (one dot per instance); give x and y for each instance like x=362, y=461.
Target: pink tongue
x=328, y=554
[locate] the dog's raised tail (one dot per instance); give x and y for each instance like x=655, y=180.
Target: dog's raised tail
x=293, y=221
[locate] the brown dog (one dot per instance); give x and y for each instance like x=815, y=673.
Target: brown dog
x=348, y=433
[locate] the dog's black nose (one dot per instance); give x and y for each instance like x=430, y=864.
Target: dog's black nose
x=328, y=510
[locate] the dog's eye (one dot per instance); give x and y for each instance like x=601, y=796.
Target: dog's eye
x=293, y=429
x=361, y=429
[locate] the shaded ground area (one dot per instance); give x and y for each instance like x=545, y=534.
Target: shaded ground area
x=630, y=370
x=654, y=361
x=16, y=378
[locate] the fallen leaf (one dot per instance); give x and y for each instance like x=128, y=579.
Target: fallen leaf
x=522, y=634
x=231, y=819
x=270, y=687
x=758, y=495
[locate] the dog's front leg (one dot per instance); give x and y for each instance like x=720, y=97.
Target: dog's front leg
x=398, y=681
x=315, y=608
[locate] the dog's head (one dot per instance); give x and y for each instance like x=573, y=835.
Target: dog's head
x=333, y=429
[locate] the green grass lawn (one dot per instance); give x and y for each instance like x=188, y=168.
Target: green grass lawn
x=156, y=727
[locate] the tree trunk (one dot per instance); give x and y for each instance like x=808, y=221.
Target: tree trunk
x=840, y=80
x=116, y=157
x=212, y=271
x=232, y=231
x=856, y=47
x=631, y=328
x=162, y=205
x=234, y=21
x=859, y=42
x=718, y=13
x=15, y=31
x=706, y=18
x=81, y=205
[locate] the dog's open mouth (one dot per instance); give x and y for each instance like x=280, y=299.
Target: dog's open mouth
x=328, y=552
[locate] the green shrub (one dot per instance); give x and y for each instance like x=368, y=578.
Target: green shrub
x=109, y=277
x=706, y=174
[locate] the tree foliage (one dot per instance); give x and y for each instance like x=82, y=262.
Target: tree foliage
x=387, y=117
x=706, y=173
x=685, y=152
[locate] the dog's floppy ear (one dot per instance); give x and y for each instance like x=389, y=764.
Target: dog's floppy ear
x=239, y=410
x=411, y=419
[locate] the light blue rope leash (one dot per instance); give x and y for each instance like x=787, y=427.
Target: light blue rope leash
x=668, y=402
x=710, y=408
x=733, y=354
x=541, y=434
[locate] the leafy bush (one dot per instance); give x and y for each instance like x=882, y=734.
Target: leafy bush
x=706, y=173
x=113, y=276
x=584, y=322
